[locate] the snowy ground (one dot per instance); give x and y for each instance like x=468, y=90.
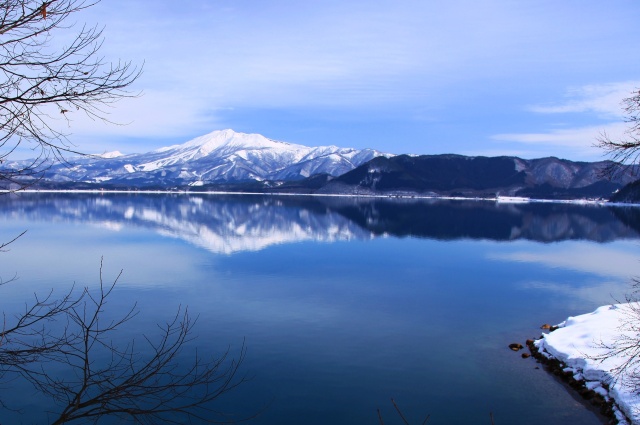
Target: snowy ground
x=580, y=344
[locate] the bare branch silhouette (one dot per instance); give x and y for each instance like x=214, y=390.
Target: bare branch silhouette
x=44, y=82
x=626, y=150
x=144, y=382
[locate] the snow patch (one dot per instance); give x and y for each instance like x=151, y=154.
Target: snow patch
x=580, y=344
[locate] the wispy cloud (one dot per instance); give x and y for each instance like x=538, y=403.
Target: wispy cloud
x=329, y=54
x=464, y=63
x=603, y=99
x=570, y=137
x=522, y=153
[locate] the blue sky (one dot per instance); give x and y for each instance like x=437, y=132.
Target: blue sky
x=482, y=77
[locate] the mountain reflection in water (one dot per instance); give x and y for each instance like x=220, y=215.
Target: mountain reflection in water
x=231, y=223
x=419, y=305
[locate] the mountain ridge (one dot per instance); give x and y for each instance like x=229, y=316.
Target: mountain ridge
x=478, y=176
x=222, y=156
x=225, y=160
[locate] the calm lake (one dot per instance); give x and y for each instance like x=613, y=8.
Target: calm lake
x=342, y=303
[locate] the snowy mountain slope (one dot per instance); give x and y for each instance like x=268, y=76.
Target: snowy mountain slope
x=218, y=157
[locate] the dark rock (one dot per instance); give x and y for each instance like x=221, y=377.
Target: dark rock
x=556, y=367
x=585, y=393
x=516, y=346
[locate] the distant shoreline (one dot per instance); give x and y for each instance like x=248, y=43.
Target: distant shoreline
x=502, y=200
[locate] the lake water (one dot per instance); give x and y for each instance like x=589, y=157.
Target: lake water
x=342, y=303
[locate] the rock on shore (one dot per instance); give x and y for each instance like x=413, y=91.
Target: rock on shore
x=583, y=344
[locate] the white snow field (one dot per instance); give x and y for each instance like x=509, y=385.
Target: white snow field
x=583, y=343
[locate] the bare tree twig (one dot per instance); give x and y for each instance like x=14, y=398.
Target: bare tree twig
x=626, y=150
x=147, y=383
x=43, y=83
x=5, y=244
x=399, y=411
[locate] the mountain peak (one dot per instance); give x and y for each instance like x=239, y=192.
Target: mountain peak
x=229, y=137
x=220, y=156
x=226, y=140
x=109, y=155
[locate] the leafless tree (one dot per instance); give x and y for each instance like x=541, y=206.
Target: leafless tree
x=626, y=345
x=65, y=348
x=626, y=150
x=44, y=80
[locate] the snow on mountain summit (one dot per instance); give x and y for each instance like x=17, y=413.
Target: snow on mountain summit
x=229, y=138
x=229, y=156
x=223, y=143
x=222, y=156
x=219, y=138
x=107, y=155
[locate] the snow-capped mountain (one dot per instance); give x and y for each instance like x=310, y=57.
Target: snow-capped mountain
x=218, y=157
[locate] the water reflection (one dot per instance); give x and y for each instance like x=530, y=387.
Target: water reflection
x=229, y=224
x=589, y=259
x=335, y=330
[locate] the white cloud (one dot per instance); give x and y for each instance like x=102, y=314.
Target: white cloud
x=521, y=153
x=603, y=99
x=580, y=137
x=155, y=114
x=330, y=53
x=577, y=142
x=346, y=58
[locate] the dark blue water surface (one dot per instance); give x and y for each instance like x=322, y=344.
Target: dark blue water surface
x=342, y=304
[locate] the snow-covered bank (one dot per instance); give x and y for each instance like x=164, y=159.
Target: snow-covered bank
x=579, y=343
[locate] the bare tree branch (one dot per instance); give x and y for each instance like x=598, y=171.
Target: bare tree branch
x=400, y=414
x=625, y=151
x=626, y=345
x=43, y=82
x=146, y=383
x=3, y=245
